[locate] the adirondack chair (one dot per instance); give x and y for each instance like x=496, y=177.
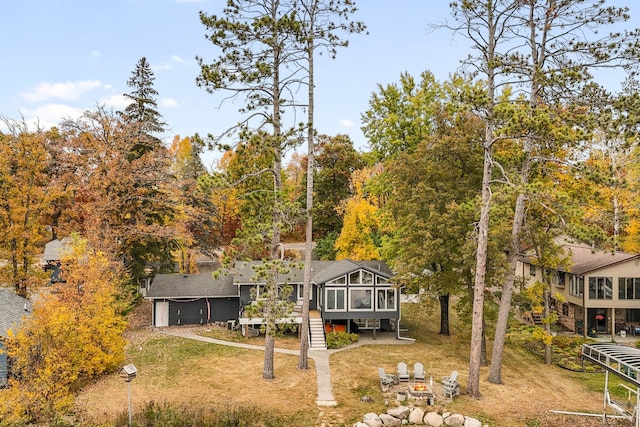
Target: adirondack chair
x=385, y=379
x=450, y=385
x=418, y=373
x=403, y=372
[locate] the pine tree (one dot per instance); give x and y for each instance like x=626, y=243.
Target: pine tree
x=143, y=109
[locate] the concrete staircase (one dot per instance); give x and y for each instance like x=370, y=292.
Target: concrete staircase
x=316, y=331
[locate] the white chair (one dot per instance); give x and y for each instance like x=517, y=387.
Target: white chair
x=450, y=385
x=403, y=372
x=385, y=379
x=418, y=373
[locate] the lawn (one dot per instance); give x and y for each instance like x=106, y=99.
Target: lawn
x=186, y=373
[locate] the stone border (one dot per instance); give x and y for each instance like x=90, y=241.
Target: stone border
x=401, y=415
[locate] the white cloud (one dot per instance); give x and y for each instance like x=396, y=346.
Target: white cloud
x=346, y=123
x=94, y=54
x=176, y=58
x=67, y=91
x=168, y=102
x=118, y=102
x=50, y=115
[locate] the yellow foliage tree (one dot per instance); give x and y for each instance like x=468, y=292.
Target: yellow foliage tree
x=360, y=228
x=73, y=335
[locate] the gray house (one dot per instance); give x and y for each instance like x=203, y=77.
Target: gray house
x=12, y=309
x=345, y=295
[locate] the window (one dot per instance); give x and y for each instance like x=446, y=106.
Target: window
x=360, y=299
x=381, y=280
x=600, y=288
x=301, y=291
x=335, y=299
x=360, y=278
x=339, y=281
x=561, y=279
x=629, y=288
x=386, y=299
x=532, y=270
x=576, y=286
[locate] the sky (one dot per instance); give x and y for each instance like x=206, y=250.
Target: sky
x=61, y=57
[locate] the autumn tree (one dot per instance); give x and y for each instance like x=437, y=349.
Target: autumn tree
x=197, y=219
x=433, y=204
x=124, y=205
x=335, y=161
x=26, y=193
x=360, y=237
x=73, y=336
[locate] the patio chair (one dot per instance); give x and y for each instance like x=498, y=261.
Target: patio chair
x=450, y=385
x=385, y=379
x=418, y=373
x=403, y=372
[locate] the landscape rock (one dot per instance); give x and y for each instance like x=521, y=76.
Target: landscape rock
x=360, y=424
x=433, y=419
x=416, y=416
x=390, y=420
x=372, y=420
x=472, y=422
x=455, y=420
x=401, y=412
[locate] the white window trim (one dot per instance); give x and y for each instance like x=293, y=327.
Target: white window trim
x=395, y=299
x=326, y=299
x=335, y=283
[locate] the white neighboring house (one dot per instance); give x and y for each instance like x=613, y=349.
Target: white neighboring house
x=600, y=289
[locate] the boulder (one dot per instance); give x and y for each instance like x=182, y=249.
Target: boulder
x=390, y=420
x=472, y=422
x=433, y=419
x=416, y=416
x=401, y=412
x=455, y=420
x=372, y=420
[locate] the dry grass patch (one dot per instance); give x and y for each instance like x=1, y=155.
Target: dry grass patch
x=194, y=374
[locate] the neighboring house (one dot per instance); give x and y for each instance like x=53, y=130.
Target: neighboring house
x=53, y=252
x=345, y=295
x=12, y=309
x=600, y=289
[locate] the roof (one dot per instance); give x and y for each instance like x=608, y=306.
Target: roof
x=191, y=286
x=12, y=310
x=585, y=259
x=206, y=286
x=53, y=250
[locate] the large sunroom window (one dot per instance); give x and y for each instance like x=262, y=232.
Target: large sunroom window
x=361, y=299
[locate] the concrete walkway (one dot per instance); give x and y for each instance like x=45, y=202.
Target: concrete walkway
x=320, y=357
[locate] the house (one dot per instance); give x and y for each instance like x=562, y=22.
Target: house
x=53, y=253
x=600, y=289
x=12, y=309
x=345, y=295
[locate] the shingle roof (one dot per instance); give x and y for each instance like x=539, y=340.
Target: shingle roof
x=54, y=249
x=12, y=309
x=205, y=285
x=321, y=271
x=585, y=260
x=191, y=286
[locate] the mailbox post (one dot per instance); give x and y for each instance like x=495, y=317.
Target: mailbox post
x=128, y=373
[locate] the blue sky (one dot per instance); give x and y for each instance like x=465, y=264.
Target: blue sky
x=61, y=57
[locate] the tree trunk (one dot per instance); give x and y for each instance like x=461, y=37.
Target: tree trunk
x=444, y=314
x=308, y=242
x=475, y=357
x=547, y=346
x=269, y=346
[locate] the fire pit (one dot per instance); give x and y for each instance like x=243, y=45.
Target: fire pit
x=422, y=391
